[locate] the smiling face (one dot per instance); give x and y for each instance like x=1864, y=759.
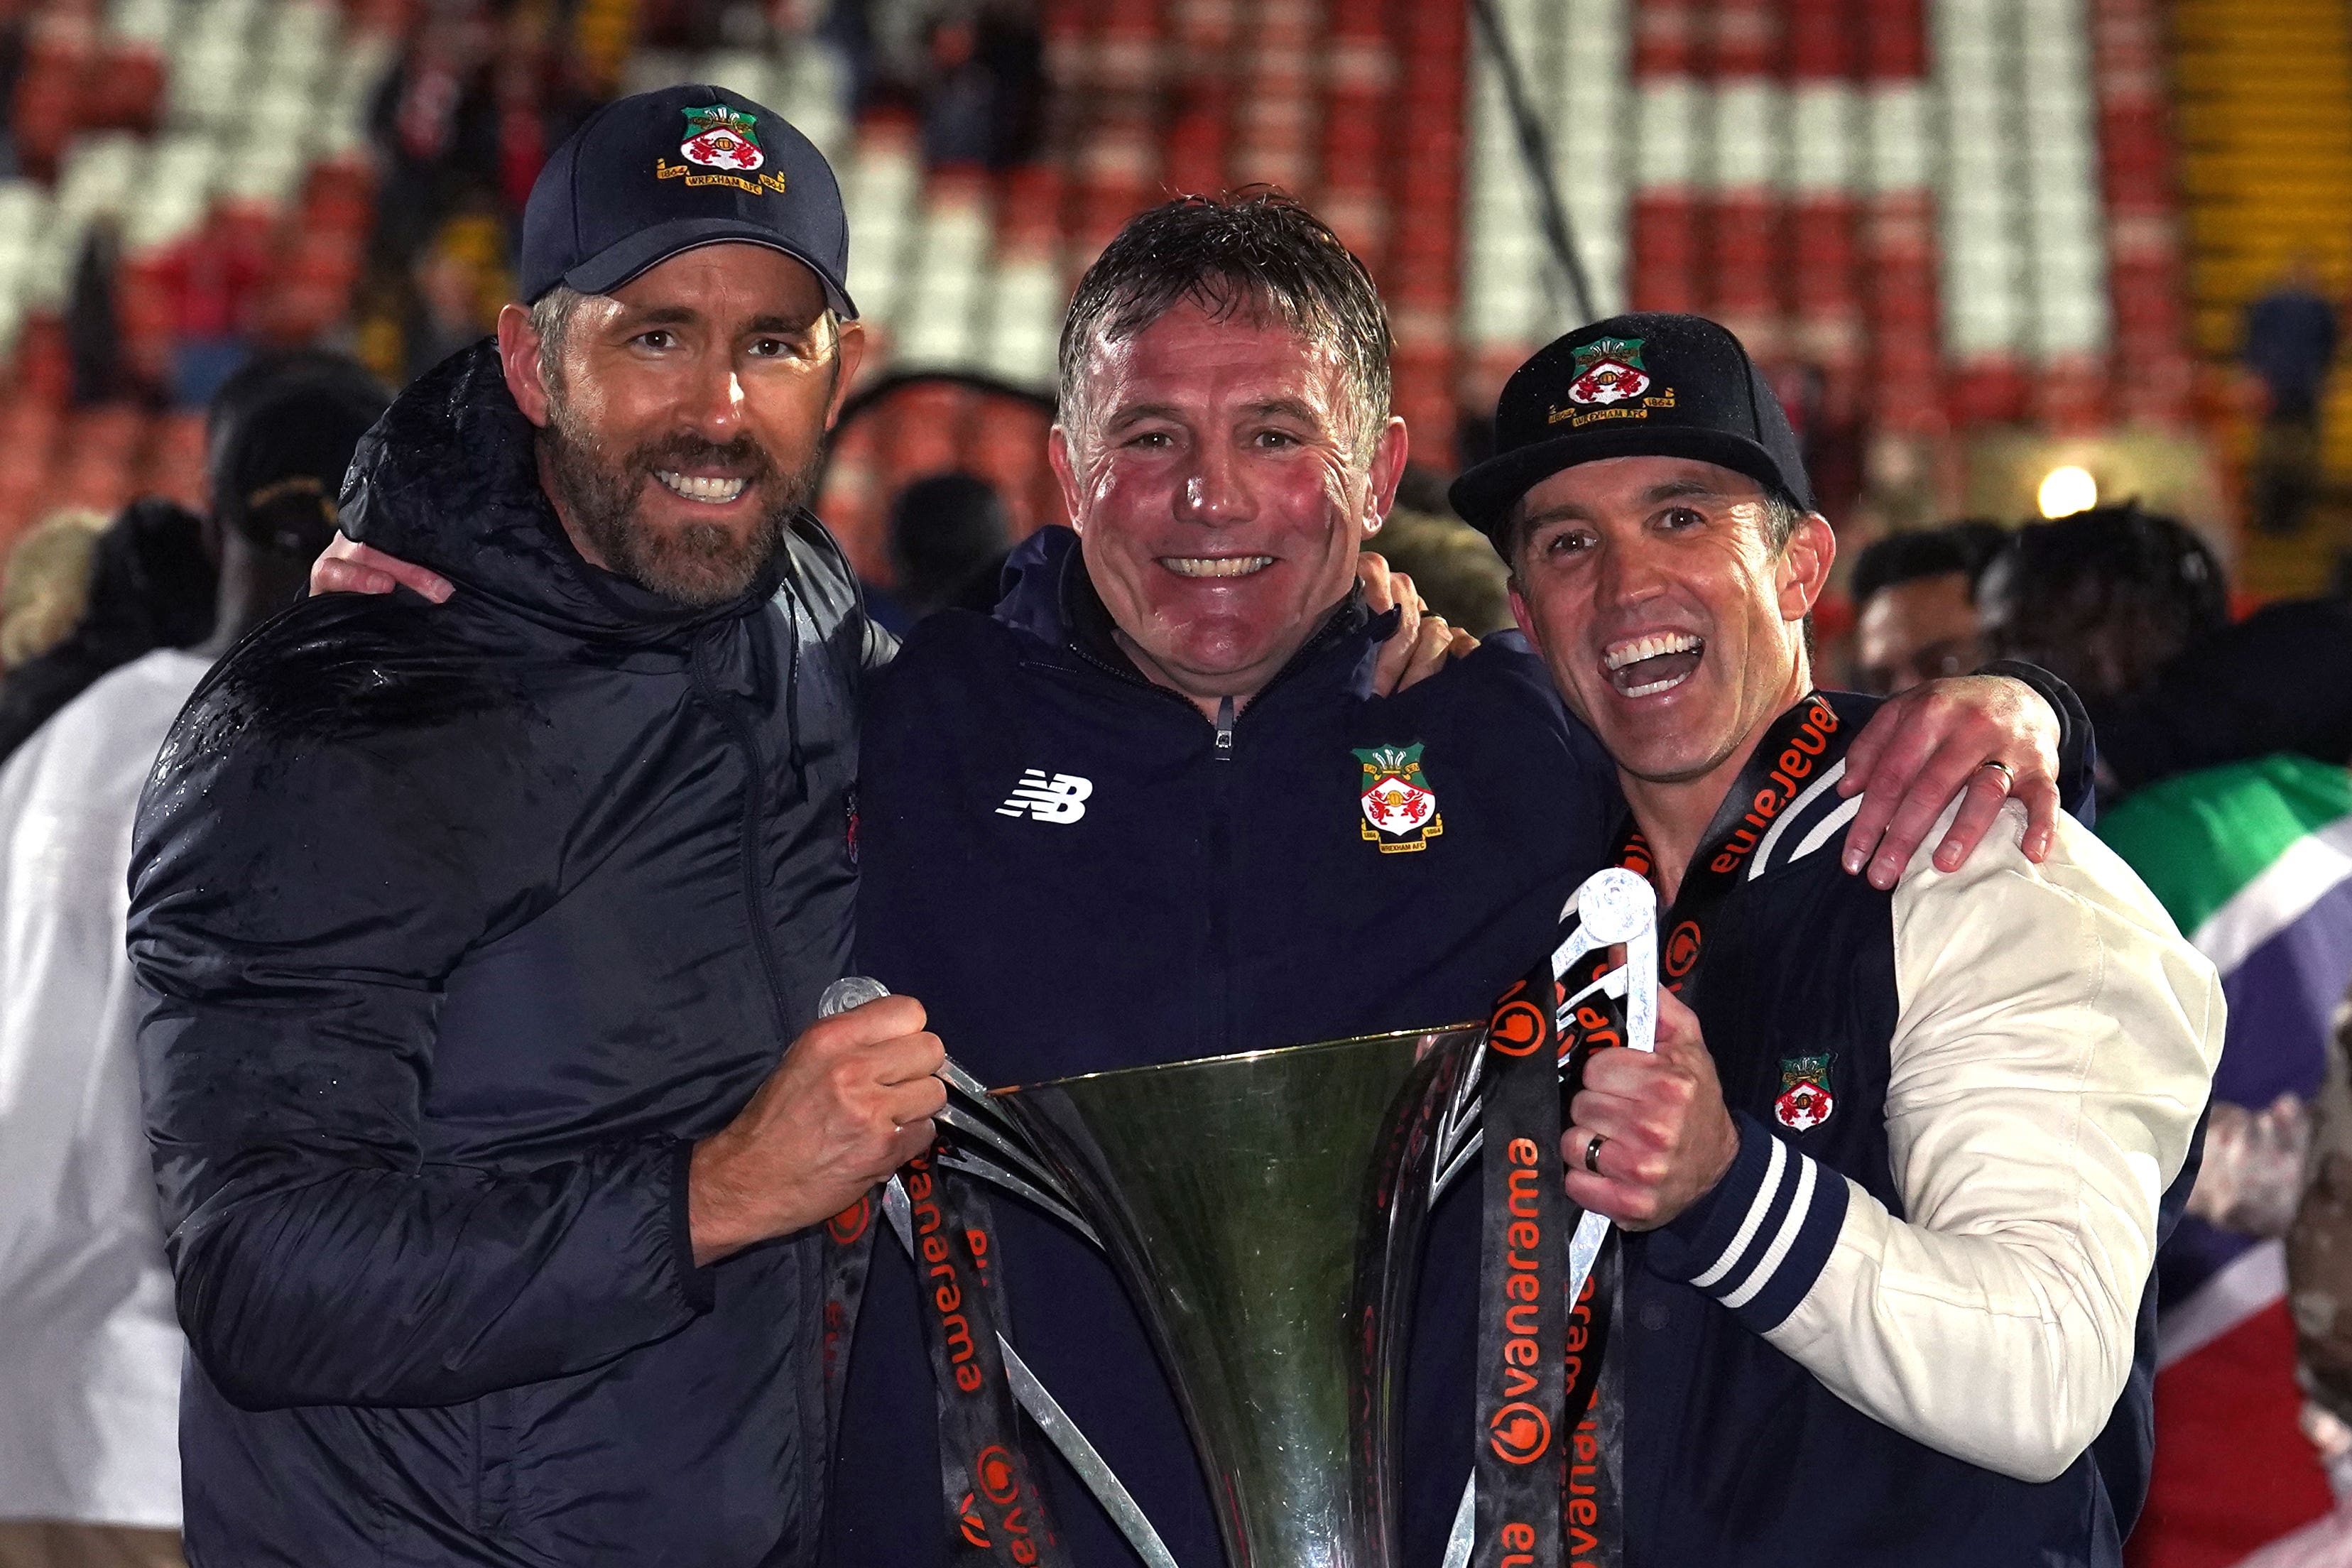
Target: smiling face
x=683, y=416
x=1217, y=474
x=1671, y=623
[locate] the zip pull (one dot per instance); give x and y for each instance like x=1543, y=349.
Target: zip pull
x=1225, y=729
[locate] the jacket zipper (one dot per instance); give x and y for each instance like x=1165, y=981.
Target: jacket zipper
x=755, y=801
x=1221, y=833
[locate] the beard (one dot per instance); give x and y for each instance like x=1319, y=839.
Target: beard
x=698, y=563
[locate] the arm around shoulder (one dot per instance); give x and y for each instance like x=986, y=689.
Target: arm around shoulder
x=2053, y=1051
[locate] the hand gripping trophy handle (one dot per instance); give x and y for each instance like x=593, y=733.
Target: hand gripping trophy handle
x=1017, y=1170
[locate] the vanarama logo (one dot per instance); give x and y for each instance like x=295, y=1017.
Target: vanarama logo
x=1519, y=1433
x=1793, y=764
x=1516, y=1029
x=1523, y=1285
x=850, y=1223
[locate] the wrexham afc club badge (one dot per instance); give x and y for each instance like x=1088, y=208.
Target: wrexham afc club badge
x=721, y=140
x=1400, y=808
x=1609, y=369
x=1805, y=1099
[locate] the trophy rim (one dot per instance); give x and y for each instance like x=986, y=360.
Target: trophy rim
x=1459, y=1027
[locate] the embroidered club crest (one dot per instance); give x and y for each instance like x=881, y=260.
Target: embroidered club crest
x=1609, y=369
x=1805, y=1099
x=1400, y=808
x=719, y=138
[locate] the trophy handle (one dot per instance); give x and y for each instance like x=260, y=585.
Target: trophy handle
x=1037, y=1401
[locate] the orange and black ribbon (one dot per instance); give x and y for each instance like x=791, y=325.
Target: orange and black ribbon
x=996, y=1513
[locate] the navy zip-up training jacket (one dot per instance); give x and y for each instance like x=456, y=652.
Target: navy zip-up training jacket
x=461, y=924
x=1201, y=898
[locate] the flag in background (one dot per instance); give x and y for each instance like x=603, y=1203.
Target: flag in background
x=2254, y=863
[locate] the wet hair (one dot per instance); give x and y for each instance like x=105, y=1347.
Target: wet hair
x=2127, y=560
x=1966, y=547
x=1255, y=252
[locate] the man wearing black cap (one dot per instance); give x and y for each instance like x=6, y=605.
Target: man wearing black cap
x=473, y=935
x=1901, y=1159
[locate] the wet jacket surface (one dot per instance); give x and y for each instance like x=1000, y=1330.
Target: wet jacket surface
x=1204, y=900
x=459, y=923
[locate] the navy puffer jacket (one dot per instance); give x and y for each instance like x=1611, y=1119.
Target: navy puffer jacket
x=459, y=924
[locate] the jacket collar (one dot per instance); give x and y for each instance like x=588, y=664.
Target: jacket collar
x=449, y=478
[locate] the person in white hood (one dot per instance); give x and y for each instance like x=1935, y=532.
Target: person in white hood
x=89, y=1346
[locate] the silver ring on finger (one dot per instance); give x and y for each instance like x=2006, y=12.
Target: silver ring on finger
x=2007, y=779
x=1592, y=1152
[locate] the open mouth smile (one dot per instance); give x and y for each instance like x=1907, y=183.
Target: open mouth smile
x=713, y=489
x=1648, y=665
x=1215, y=565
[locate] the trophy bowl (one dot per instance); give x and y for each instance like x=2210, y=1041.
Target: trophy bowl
x=1265, y=1212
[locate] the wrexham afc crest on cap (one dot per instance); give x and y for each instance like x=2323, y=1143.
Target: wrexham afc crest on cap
x=1609, y=369
x=1805, y=1099
x=1400, y=808
x=721, y=137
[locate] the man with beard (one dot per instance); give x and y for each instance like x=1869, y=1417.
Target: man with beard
x=473, y=934
x=1899, y=1165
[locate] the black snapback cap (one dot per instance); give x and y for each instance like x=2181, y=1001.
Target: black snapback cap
x=1649, y=384
x=648, y=176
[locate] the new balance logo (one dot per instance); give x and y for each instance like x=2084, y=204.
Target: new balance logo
x=1062, y=798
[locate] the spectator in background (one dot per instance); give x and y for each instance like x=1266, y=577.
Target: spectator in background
x=2290, y=342
x=151, y=587
x=2104, y=599
x=89, y=1384
x=949, y=537
x=1458, y=575
x=2249, y=857
x=46, y=583
x=1915, y=604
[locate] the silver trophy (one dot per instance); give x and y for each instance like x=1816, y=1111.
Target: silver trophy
x=1267, y=1210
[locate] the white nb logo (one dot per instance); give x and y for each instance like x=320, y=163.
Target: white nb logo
x=1062, y=798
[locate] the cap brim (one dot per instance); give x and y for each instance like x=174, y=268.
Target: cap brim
x=1485, y=494
x=614, y=265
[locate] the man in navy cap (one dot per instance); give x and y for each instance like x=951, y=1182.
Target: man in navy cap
x=473, y=935
x=1900, y=1162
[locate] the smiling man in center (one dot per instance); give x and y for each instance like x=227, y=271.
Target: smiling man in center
x=1163, y=806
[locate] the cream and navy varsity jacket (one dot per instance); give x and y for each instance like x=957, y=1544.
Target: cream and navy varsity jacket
x=1914, y=1323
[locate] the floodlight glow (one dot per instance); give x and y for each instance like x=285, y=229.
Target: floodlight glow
x=2065, y=491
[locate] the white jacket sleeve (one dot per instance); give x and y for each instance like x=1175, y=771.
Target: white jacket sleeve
x=2053, y=1050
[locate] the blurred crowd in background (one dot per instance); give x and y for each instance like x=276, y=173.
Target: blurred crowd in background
x=2061, y=406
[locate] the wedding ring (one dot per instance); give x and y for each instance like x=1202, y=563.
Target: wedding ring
x=1592, y=1152
x=2007, y=779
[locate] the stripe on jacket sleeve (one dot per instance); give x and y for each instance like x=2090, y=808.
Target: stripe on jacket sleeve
x=1759, y=1241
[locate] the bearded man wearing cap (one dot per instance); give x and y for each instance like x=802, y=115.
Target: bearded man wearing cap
x=1900, y=1164
x=473, y=934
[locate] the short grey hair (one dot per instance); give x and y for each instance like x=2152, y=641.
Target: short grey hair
x=1258, y=252
x=550, y=317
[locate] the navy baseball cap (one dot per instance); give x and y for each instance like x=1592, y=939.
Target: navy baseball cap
x=648, y=176
x=1649, y=384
